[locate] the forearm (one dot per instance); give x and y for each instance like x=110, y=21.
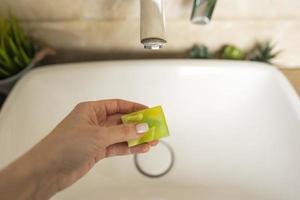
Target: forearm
x=25, y=179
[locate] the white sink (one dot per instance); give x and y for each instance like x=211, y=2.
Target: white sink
x=235, y=127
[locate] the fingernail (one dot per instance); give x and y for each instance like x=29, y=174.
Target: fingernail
x=142, y=128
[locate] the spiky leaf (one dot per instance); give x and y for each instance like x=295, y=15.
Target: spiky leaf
x=263, y=52
x=16, y=50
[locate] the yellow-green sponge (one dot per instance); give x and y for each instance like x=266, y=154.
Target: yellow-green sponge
x=156, y=121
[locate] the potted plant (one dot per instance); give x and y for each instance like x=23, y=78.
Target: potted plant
x=261, y=52
x=17, y=53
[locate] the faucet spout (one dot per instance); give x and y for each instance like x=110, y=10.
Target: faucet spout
x=152, y=24
x=152, y=19
x=202, y=11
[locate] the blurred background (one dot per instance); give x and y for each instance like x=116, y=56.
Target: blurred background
x=83, y=30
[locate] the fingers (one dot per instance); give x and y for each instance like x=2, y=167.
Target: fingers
x=113, y=120
x=123, y=149
x=118, y=106
x=153, y=143
x=124, y=132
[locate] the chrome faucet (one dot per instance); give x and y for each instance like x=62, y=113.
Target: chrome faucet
x=202, y=11
x=153, y=20
x=152, y=24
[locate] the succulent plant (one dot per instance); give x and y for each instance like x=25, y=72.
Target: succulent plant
x=16, y=50
x=199, y=52
x=263, y=52
x=232, y=52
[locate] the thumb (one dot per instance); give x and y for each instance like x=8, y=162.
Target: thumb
x=126, y=132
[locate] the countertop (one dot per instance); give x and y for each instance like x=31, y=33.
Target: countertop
x=294, y=77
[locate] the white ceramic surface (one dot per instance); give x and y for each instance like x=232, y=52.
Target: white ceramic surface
x=235, y=127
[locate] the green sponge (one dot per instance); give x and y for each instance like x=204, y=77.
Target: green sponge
x=156, y=121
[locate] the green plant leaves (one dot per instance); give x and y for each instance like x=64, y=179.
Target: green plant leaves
x=232, y=52
x=199, y=51
x=261, y=52
x=16, y=50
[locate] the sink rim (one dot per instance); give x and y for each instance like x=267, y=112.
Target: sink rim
x=291, y=92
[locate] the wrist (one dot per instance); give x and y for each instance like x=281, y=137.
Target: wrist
x=41, y=174
x=27, y=178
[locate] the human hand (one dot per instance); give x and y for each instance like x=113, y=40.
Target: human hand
x=91, y=132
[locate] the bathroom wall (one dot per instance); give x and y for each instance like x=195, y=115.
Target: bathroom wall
x=112, y=26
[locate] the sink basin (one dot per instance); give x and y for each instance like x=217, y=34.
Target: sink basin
x=234, y=127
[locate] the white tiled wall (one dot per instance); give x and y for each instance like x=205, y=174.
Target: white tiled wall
x=110, y=25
